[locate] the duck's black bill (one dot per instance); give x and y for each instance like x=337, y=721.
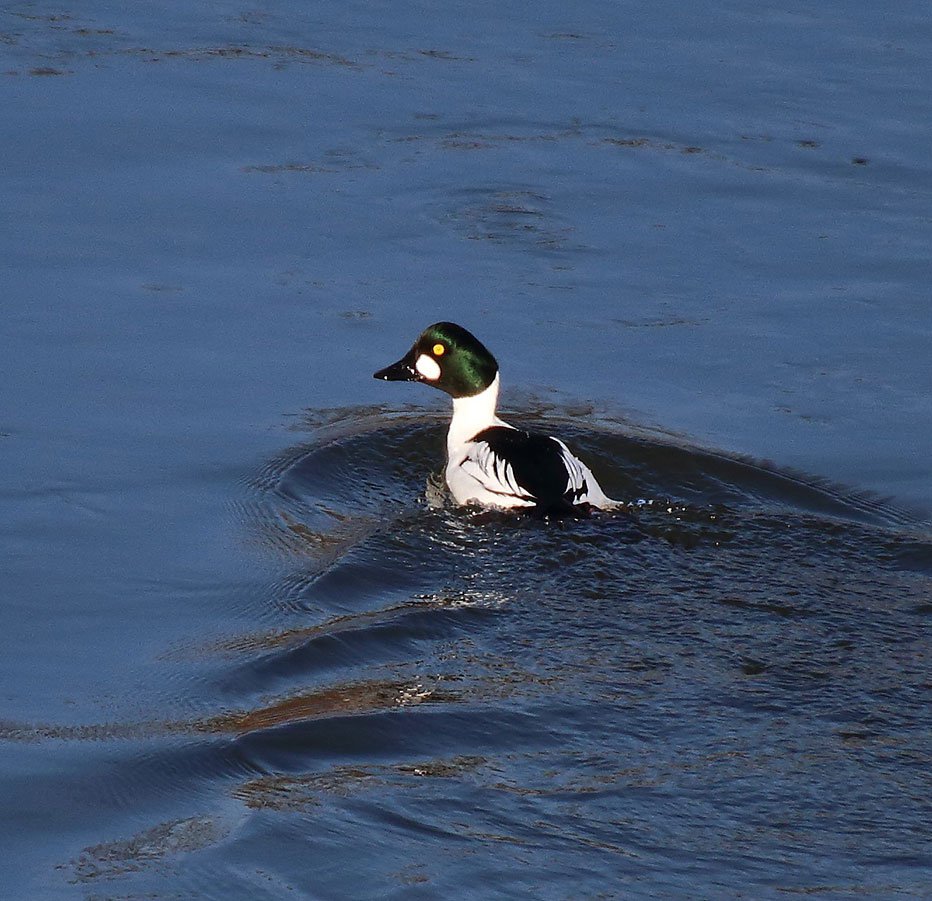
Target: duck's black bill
x=402, y=371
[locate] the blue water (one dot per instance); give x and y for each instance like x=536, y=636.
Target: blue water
x=241, y=654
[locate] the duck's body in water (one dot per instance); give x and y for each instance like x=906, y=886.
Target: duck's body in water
x=490, y=462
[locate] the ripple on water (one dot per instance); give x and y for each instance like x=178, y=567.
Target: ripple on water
x=727, y=681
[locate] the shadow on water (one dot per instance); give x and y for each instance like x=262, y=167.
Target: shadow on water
x=726, y=681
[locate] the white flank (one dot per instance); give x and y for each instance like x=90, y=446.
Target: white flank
x=428, y=367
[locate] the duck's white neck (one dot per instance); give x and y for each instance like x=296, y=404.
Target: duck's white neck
x=472, y=415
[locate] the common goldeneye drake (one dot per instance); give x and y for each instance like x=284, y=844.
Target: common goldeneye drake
x=490, y=462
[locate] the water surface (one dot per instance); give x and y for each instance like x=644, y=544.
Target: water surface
x=243, y=650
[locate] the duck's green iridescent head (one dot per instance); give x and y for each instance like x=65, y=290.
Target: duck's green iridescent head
x=447, y=357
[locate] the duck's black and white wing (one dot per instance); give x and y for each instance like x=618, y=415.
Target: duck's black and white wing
x=506, y=467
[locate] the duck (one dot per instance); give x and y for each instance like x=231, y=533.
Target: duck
x=490, y=463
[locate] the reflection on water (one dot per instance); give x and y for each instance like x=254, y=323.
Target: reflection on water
x=296, y=792
x=147, y=849
x=340, y=700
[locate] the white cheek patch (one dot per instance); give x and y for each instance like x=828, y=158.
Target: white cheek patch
x=428, y=367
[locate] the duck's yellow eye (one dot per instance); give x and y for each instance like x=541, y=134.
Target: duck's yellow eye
x=439, y=350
